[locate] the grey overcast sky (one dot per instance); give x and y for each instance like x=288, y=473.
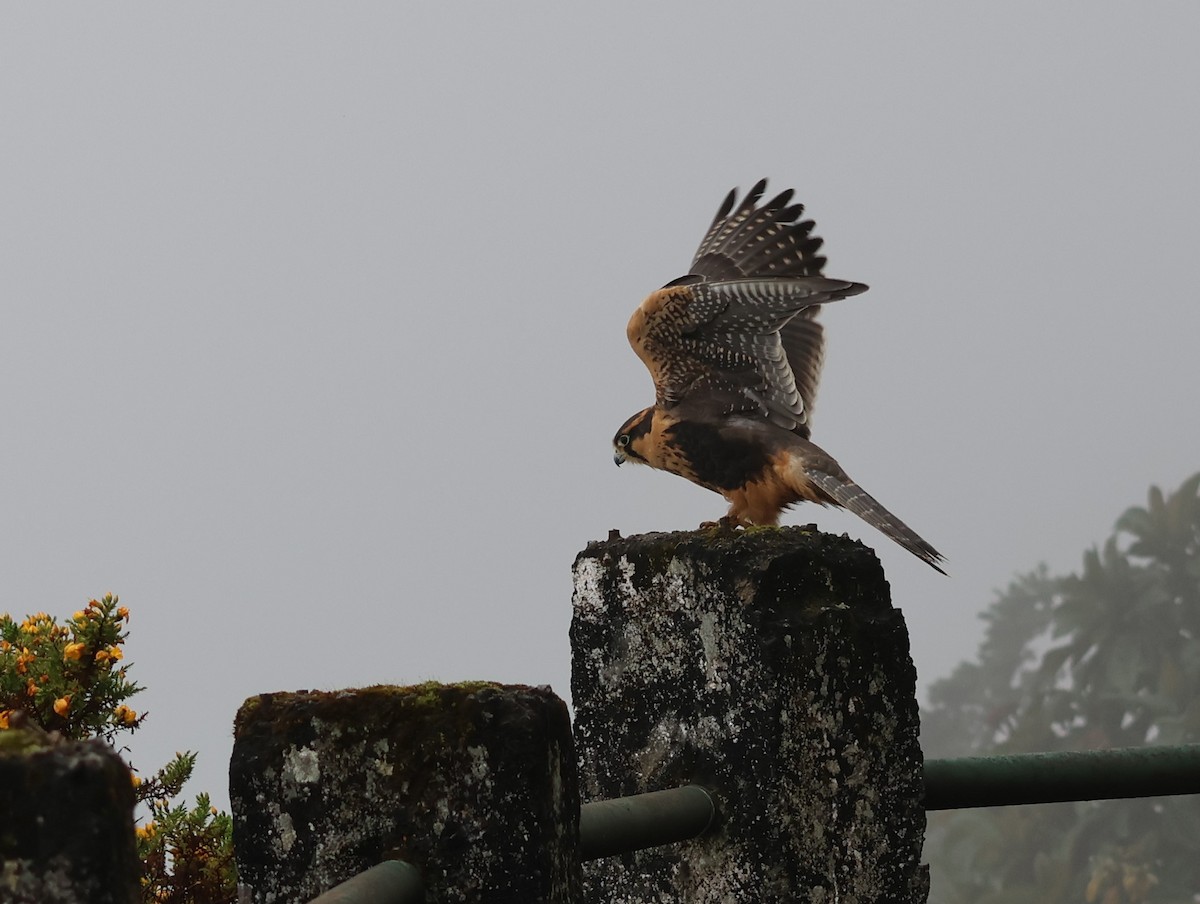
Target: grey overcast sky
x=313, y=336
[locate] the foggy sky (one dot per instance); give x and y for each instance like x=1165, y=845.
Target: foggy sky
x=313, y=315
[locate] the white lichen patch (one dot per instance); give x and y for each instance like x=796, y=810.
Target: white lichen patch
x=708, y=732
x=441, y=809
x=714, y=663
x=480, y=770
x=285, y=830
x=664, y=738
x=382, y=760
x=625, y=584
x=588, y=597
x=302, y=766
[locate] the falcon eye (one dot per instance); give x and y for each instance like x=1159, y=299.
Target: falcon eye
x=623, y=440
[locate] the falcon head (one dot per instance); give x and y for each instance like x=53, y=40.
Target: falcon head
x=632, y=441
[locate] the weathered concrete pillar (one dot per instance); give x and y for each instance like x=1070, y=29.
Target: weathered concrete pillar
x=475, y=784
x=770, y=667
x=66, y=823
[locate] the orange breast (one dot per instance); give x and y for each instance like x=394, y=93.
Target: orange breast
x=780, y=484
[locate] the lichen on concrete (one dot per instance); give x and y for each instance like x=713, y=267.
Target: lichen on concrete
x=771, y=667
x=474, y=783
x=66, y=825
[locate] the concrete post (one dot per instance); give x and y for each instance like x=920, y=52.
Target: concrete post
x=66, y=823
x=474, y=784
x=770, y=667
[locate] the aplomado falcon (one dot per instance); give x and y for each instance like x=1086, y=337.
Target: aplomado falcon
x=735, y=352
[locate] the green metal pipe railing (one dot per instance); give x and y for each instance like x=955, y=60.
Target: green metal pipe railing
x=1043, y=778
x=608, y=827
x=627, y=824
x=389, y=882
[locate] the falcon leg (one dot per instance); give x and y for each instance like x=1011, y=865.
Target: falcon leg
x=726, y=525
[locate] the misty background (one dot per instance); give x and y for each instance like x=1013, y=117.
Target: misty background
x=313, y=317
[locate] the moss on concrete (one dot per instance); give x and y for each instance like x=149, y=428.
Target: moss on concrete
x=473, y=782
x=770, y=666
x=66, y=825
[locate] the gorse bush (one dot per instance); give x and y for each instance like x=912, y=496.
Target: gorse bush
x=70, y=680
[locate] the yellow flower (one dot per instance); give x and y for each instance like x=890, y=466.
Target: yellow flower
x=5, y=645
x=135, y=779
x=62, y=705
x=123, y=613
x=116, y=653
x=149, y=830
x=23, y=660
x=103, y=656
x=125, y=714
x=79, y=616
x=35, y=623
x=74, y=651
x=31, y=689
x=4, y=718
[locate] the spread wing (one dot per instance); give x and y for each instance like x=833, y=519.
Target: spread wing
x=737, y=333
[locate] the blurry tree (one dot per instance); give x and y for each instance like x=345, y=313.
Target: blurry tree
x=1108, y=657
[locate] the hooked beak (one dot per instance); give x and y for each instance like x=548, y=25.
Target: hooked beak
x=618, y=457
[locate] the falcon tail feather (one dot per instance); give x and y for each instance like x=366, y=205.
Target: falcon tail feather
x=850, y=496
